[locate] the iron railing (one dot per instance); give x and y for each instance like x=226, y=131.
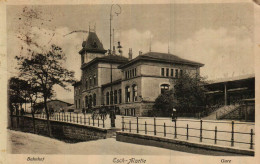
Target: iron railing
x=132, y=125
x=76, y=119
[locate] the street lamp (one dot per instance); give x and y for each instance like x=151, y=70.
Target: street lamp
x=112, y=115
x=111, y=17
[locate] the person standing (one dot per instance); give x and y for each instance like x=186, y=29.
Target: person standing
x=174, y=114
x=112, y=117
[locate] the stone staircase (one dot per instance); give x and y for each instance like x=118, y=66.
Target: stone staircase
x=221, y=112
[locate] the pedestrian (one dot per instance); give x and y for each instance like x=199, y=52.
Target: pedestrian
x=174, y=114
x=112, y=117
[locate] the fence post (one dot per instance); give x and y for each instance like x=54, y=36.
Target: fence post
x=216, y=134
x=251, y=140
x=129, y=125
x=201, y=130
x=187, y=131
x=103, y=122
x=98, y=121
x=77, y=118
x=70, y=116
x=145, y=128
x=175, y=128
x=154, y=126
x=164, y=129
x=122, y=123
x=232, y=134
x=137, y=128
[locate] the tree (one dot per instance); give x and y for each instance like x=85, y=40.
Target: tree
x=187, y=96
x=32, y=92
x=190, y=93
x=46, y=70
x=16, y=95
x=164, y=104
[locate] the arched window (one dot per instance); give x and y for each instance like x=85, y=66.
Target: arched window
x=115, y=96
x=134, y=92
x=86, y=101
x=127, y=94
x=90, y=101
x=164, y=87
x=94, y=99
x=111, y=97
x=107, y=98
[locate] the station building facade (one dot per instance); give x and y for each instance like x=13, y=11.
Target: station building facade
x=128, y=85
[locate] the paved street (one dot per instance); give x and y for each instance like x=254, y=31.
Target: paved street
x=26, y=143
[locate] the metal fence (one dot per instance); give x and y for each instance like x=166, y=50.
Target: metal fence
x=133, y=124
x=76, y=119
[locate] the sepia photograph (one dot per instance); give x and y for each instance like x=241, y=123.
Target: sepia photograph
x=131, y=80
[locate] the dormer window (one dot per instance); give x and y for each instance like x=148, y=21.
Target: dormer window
x=94, y=44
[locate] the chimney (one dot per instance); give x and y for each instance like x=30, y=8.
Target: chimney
x=130, y=54
x=140, y=52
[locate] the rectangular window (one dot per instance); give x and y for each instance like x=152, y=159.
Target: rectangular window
x=76, y=104
x=162, y=71
x=167, y=72
x=86, y=84
x=171, y=72
x=181, y=73
x=79, y=103
x=176, y=73
x=135, y=71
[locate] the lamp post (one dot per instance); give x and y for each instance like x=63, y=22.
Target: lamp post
x=111, y=17
x=110, y=54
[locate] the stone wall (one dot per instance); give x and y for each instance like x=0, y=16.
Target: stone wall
x=61, y=130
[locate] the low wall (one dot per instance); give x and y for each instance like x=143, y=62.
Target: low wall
x=61, y=130
x=180, y=145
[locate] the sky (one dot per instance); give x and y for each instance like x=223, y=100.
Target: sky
x=217, y=35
